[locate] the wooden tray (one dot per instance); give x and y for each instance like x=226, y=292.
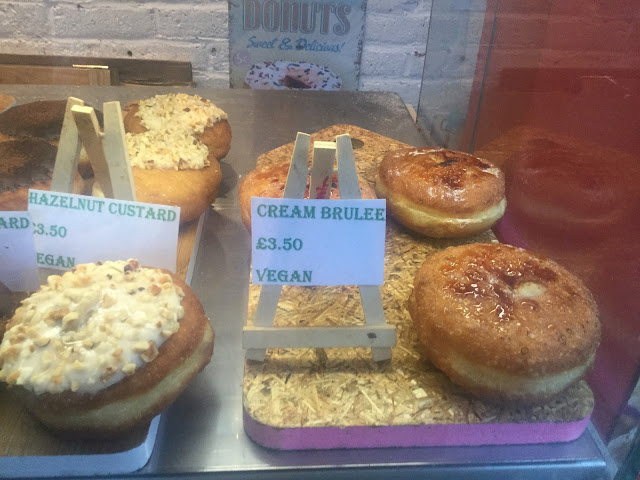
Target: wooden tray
x=340, y=398
x=28, y=449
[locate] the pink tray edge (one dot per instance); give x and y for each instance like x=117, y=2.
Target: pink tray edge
x=315, y=438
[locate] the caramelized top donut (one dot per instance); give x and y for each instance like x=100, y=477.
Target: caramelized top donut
x=503, y=307
x=270, y=182
x=25, y=162
x=455, y=182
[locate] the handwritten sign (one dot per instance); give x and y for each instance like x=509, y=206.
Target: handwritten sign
x=72, y=229
x=18, y=270
x=317, y=242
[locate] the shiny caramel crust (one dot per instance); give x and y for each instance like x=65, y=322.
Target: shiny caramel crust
x=138, y=398
x=42, y=119
x=216, y=137
x=504, y=323
x=441, y=193
x=270, y=181
x=26, y=163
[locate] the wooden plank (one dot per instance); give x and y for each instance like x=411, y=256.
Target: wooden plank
x=53, y=75
x=294, y=188
x=66, y=165
x=130, y=71
x=324, y=157
x=319, y=337
x=116, y=154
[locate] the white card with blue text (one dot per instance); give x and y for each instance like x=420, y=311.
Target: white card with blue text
x=18, y=269
x=317, y=242
x=72, y=229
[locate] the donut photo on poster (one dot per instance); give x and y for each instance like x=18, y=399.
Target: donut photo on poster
x=288, y=45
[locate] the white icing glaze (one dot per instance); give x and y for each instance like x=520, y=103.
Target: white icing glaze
x=87, y=329
x=168, y=112
x=178, y=150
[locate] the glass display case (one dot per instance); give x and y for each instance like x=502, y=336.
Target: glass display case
x=549, y=92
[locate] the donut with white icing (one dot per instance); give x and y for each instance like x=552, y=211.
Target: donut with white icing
x=105, y=347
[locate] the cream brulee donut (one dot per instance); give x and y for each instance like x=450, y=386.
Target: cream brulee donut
x=270, y=181
x=504, y=323
x=105, y=347
x=441, y=193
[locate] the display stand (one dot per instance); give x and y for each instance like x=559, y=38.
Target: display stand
x=107, y=153
x=376, y=334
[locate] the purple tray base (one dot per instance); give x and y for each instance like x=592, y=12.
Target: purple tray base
x=314, y=438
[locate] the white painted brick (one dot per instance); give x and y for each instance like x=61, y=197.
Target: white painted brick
x=381, y=59
x=408, y=89
x=21, y=19
x=103, y=21
x=455, y=31
x=211, y=79
x=458, y=63
x=396, y=6
x=190, y=22
x=396, y=28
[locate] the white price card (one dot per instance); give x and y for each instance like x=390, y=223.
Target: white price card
x=317, y=242
x=18, y=269
x=73, y=229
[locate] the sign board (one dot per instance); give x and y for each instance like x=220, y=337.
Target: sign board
x=317, y=242
x=289, y=44
x=18, y=270
x=72, y=229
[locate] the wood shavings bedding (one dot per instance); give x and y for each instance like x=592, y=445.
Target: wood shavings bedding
x=344, y=387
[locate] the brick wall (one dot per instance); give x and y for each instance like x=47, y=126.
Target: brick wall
x=197, y=31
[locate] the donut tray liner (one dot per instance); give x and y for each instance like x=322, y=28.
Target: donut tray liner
x=339, y=398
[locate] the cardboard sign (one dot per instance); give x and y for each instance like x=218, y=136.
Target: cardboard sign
x=72, y=229
x=18, y=269
x=278, y=44
x=317, y=242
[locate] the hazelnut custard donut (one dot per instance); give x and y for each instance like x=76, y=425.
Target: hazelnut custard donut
x=269, y=181
x=504, y=323
x=105, y=347
x=174, y=143
x=206, y=122
x=441, y=193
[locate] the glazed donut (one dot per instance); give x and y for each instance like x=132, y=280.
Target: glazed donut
x=41, y=119
x=25, y=164
x=6, y=101
x=192, y=113
x=504, y=323
x=281, y=75
x=441, y=193
x=568, y=188
x=105, y=347
x=269, y=181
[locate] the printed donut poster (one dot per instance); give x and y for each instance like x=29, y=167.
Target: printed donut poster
x=295, y=44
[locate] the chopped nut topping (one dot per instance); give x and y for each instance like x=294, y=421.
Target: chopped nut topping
x=83, y=331
x=150, y=353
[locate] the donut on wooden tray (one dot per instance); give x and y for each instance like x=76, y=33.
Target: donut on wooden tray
x=441, y=193
x=269, y=181
x=105, y=347
x=504, y=323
